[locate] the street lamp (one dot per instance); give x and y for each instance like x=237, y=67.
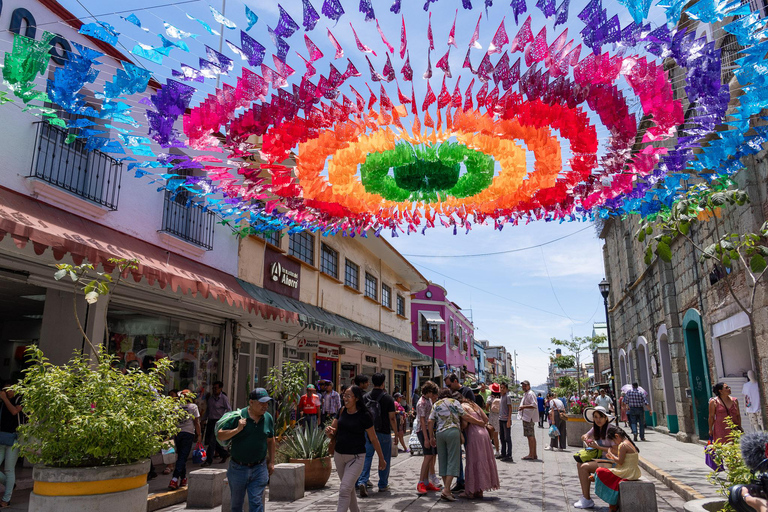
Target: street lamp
x=605, y=289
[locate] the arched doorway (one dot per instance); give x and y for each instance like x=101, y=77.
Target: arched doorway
x=698, y=370
x=644, y=377
x=670, y=407
x=622, y=367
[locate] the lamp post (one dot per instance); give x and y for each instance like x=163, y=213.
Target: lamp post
x=605, y=289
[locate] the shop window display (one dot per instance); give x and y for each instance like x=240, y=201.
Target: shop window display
x=138, y=339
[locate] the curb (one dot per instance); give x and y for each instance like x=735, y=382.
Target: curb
x=166, y=499
x=686, y=492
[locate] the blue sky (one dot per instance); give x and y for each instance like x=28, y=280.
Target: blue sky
x=520, y=299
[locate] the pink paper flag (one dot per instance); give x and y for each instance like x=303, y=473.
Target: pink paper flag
x=481, y=94
x=468, y=63
x=523, y=37
x=375, y=76
x=456, y=98
x=407, y=71
x=499, y=40
x=476, y=35
x=485, y=68
x=361, y=46
x=452, y=35
x=310, y=68
x=443, y=63
x=351, y=70
x=403, y=39
x=429, y=98
x=372, y=99
x=389, y=70
x=444, y=98
x=314, y=51
x=282, y=68
x=414, y=106
x=339, y=51
x=383, y=38
x=468, y=105
x=384, y=100
x=558, y=43
x=428, y=72
x=538, y=50
x=429, y=33
x=403, y=98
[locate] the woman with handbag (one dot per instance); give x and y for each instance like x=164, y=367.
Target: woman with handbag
x=10, y=417
x=493, y=405
x=722, y=406
x=347, y=433
x=480, y=469
x=597, y=441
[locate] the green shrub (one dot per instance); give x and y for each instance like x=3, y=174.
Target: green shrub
x=305, y=443
x=728, y=455
x=89, y=413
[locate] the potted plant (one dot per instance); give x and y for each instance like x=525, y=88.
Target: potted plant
x=91, y=427
x=309, y=446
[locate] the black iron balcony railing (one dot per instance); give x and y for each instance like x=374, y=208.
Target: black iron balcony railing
x=185, y=220
x=92, y=175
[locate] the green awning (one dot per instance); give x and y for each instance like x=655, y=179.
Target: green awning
x=318, y=319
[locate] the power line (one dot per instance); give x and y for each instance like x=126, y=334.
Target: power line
x=499, y=252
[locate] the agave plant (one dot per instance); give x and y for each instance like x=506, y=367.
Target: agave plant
x=305, y=443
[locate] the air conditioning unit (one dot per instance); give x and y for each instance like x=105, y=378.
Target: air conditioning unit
x=342, y=351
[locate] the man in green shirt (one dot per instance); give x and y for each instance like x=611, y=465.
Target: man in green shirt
x=252, y=451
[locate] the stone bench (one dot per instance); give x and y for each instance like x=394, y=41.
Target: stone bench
x=226, y=498
x=204, y=488
x=637, y=496
x=287, y=482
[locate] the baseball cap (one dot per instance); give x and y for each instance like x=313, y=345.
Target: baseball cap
x=310, y=386
x=260, y=394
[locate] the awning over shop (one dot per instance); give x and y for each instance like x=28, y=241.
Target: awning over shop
x=28, y=220
x=336, y=325
x=432, y=317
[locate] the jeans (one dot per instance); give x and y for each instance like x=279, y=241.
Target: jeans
x=8, y=477
x=348, y=467
x=637, y=416
x=183, y=442
x=541, y=418
x=385, y=440
x=506, y=439
x=251, y=479
x=212, y=446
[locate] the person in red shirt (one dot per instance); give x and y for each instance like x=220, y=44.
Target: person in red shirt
x=309, y=408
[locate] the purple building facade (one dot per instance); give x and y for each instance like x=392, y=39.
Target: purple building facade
x=439, y=322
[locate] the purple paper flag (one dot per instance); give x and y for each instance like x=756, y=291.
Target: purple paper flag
x=485, y=69
x=367, y=8
x=286, y=26
x=468, y=62
x=467, y=4
x=389, y=70
x=252, y=49
x=310, y=16
x=518, y=8
x=561, y=15
x=375, y=75
x=333, y=9
x=396, y=6
x=546, y=6
x=499, y=39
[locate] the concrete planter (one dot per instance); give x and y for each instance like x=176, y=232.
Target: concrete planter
x=316, y=472
x=705, y=505
x=120, y=488
x=577, y=427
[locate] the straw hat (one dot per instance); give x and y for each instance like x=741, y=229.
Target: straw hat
x=589, y=413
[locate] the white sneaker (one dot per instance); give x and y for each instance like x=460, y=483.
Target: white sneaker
x=547, y=448
x=584, y=503
x=434, y=480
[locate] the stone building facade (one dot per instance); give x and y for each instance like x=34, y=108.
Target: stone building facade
x=676, y=328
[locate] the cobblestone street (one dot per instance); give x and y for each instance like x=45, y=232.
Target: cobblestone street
x=550, y=485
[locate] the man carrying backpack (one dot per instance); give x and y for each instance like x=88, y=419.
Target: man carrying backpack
x=382, y=408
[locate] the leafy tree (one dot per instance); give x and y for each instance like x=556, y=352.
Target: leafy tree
x=285, y=386
x=732, y=251
x=576, y=346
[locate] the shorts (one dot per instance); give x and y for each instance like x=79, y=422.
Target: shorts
x=528, y=429
x=428, y=450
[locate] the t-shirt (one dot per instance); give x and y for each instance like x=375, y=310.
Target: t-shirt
x=604, y=401
x=188, y=425
x=9, y=422
x=556, y=403
x=250, y=444
x=602, y=442
x=751, y=396
x=386, y=405
x=423, y=408
x=467, y=393
x=540, y=400
x=505, y=407
x=309, y=406
x=529, y=414
x=485, y=394
x=446, y=413
x=350, y=432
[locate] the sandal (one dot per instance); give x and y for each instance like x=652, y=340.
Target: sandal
x=4, y=504
x=167, y=471
x=447, y=497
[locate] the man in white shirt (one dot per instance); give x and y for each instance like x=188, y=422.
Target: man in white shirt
x=604, y=401
x=528, y=412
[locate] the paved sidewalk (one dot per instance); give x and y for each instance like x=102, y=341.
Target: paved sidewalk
x=550, y=485
x=679, y=465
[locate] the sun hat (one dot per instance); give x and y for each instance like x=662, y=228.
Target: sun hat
x=495, y=388
x=589, y=413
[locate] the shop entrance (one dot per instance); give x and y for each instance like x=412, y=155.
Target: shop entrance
x=347, y=376
x=21, y=319
x=401, y=383
x=326, y=369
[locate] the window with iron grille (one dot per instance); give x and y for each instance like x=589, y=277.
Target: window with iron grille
x=371, y=287
x=352, y=275
x=329, y=261
x=401, y=305
x=272, y=237
x=302, y=246
x=386, y=295
x=184, y=218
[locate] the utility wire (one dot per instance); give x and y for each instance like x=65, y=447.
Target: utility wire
x=499, y=252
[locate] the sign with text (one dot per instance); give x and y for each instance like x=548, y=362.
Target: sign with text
x=281, y=274
x=329, y=351
x=302, y=345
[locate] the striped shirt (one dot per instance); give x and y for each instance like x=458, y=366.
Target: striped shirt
x=635, y=398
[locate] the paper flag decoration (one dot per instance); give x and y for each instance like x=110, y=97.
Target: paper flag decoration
x=332, y=9
x=222, y=20
x=499, y=39
x=310, y=15
x=251, y=17
x=101, y=31
x=367, y=8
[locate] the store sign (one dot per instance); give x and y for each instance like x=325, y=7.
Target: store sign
x=281, y=274
x=402, y=367
x=328, y=351
x=370, y=359
x=302, y=345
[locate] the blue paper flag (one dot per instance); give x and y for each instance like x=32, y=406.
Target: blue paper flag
x=101, y=31
x=205, y=26
x=221, y=19
x=251, y=17
x=135, y=20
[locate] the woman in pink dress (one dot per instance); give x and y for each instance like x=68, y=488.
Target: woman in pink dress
x=480, y=470
x=623, y=408
x=721, y=407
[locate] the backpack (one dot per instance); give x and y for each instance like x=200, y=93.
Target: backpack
x=237, y=413
x=374, y=408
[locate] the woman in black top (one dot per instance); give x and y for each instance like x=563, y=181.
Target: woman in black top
x=10, y=413
x=348, y=432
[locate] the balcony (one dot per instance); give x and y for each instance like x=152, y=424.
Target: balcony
x=186, y=220
x=426, y=339
x=91, y=175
